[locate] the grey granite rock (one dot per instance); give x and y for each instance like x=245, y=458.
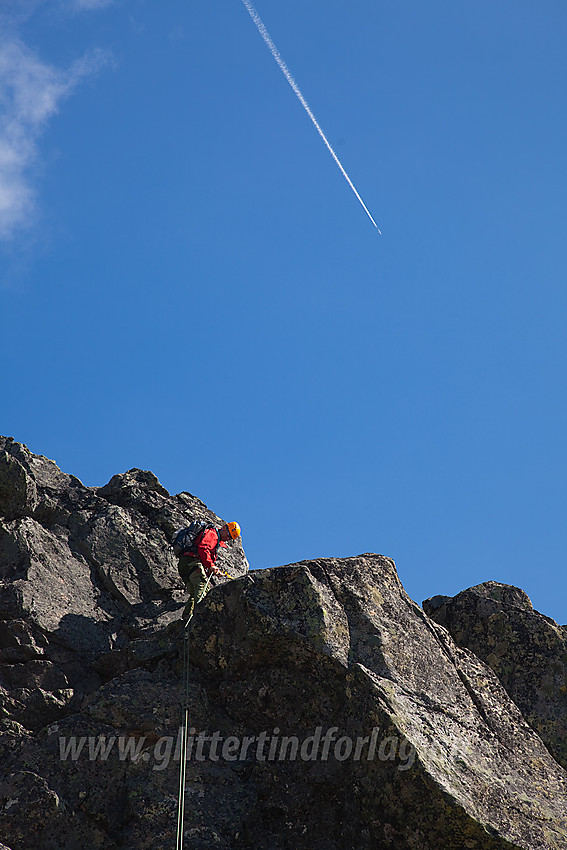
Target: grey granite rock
x=526, y=650
x=327, y=711
x=83, y=572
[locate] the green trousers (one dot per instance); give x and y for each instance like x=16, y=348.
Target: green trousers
x=195, y=581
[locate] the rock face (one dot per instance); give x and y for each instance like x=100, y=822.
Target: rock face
x=85, y=574
x=526, y=650
x=327, y=711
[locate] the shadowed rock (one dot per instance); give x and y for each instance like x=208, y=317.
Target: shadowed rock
x=84, y=571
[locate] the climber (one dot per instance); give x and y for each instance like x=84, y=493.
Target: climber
x=198, y=564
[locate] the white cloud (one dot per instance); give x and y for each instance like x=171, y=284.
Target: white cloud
x=85, y=5
x=31, y=92
x=93, y=4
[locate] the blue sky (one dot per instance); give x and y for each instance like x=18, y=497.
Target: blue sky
x=188, y=284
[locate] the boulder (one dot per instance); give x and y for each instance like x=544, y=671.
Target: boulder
x=338, y=643
x=18, y=495
x=526, y=650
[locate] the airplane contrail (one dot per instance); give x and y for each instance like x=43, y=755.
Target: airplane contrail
x=287, y=74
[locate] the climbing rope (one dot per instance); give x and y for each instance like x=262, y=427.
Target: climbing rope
x=184, y=725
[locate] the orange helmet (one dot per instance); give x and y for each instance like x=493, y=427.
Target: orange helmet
x=234, y=529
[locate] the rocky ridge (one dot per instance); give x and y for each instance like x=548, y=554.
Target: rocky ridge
x=526, y=650
x=430, y=740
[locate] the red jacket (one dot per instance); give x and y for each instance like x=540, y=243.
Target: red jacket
x=207, y=549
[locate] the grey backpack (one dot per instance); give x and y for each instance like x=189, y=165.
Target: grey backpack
x=183, y=541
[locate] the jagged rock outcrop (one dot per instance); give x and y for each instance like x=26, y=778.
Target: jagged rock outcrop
x=327, y=710
x=86, y=577
x=526, y=650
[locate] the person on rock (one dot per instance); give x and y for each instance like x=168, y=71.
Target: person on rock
x=198, y=565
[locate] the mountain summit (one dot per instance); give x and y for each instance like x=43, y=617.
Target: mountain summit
x=328, y=711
